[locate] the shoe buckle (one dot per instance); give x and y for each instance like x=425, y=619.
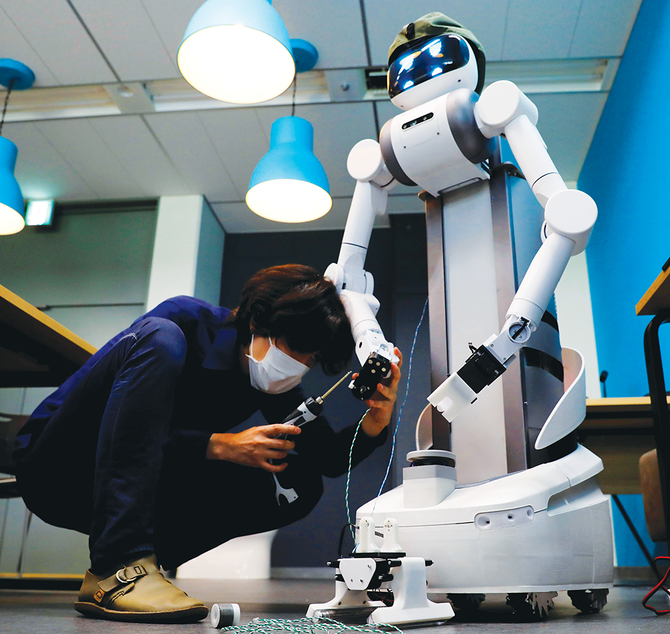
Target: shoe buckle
x=121, y=579
x=135, y=572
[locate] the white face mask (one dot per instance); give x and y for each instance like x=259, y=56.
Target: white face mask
x=277, y=372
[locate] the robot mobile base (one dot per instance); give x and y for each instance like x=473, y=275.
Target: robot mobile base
x=528, y=535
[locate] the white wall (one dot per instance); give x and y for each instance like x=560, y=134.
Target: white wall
x=188, y=251
x=575, y=319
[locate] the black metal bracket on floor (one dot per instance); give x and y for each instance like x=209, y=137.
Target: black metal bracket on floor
x=659, y=407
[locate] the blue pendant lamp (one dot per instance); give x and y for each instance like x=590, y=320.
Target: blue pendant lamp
x=237, y=51
x=14, y=76
x=289, y=183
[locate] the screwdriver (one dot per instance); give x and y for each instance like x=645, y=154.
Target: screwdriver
x=309, y=409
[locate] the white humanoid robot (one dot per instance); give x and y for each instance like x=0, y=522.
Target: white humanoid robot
x=530, y=530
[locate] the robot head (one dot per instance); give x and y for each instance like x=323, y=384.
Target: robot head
x=433, y=66
x=431, y=57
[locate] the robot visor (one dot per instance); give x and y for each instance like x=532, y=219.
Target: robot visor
x=427, y=58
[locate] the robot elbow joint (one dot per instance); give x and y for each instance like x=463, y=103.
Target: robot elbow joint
x=571, y=213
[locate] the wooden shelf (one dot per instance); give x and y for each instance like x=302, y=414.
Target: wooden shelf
x=618, y=413
x=657, y=296
x=619, y=431
x=35, y=350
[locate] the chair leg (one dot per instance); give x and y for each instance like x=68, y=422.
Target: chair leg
x=24, y=539
x=3, y=528
x=636, y=535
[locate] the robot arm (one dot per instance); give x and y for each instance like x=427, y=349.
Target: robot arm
x=354, y=284
x=569, y=218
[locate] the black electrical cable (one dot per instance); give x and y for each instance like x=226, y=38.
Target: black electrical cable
x=4, y=110
x=295, y=85
x=659, y=586
x=341, y=541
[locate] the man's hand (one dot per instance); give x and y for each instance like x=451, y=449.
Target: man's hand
x=254, y=447
x=381, y=404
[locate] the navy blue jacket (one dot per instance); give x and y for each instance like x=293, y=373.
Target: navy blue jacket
x=214, y=395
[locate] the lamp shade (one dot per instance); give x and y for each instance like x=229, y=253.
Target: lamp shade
x=11, y=199
x=289, y=184
x=237, y=51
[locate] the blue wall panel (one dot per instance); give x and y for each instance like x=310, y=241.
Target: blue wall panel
x=628, y=553
x=626, y=172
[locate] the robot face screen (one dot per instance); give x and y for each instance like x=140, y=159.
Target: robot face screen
x=428, y=58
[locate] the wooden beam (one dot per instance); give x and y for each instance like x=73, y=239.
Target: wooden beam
x=657, y=296
x=24, y=317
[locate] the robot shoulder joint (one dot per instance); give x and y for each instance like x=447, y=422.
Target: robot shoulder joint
x=501, y=103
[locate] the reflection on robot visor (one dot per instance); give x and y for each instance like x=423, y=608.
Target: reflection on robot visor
x=427, y=58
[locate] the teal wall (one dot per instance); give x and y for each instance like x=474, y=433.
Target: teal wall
x=626, y=172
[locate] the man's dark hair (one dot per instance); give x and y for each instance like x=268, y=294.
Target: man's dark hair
x=296, y=302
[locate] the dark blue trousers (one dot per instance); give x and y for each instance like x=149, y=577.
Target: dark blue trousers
x=106, y=464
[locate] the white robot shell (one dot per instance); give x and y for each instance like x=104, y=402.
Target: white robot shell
x=444, y=127
x=466, y=76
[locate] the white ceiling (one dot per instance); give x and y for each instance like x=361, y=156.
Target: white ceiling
x=76, y=143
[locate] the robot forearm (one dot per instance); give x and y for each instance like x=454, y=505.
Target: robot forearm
x=368, y=201
x=373, y=351
x=569, y=218
x=354, y=284
x=491, y=359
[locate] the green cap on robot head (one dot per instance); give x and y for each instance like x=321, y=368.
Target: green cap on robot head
x=438, y=24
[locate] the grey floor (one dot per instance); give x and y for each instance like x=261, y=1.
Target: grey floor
x=37, y=612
